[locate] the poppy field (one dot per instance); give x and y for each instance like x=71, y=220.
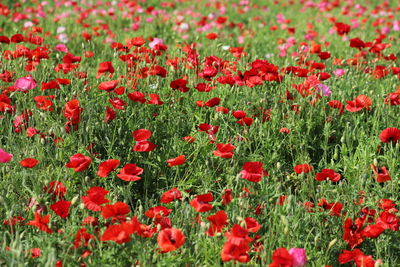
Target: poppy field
x=199, y=133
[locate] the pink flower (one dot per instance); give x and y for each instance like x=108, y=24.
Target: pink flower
x=299, y=257
x=25, y=84
x=155, y=42
x=4, y=156
x=338, y=72
x=61, y=48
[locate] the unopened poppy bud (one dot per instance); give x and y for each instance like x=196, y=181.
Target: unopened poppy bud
x=159, y=227
x=336, y=154
x=375, y=162
x=203, y=226
x=87, y=179
x=342, y=139
x=378, y=263
x=43, y=141
x=332, y=243
x=140, y=209
x=74, y=200
x=81, y=206
x=278, y=165
x=286, y=230
x=284, y=220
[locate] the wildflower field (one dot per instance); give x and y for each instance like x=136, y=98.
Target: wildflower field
x=199, y=133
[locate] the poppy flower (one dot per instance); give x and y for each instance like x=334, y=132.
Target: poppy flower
x=72, y=111
x=303, y=168
x=237, y=245
x=180, y=84
x=117, y=211
x=4, y=156
x=35, y=252
x=328, y=174
x=218, y=221
x=82, y=238
x=227, y=197
x=381, y=175
x=120, y=233
x=144, y=146
x=176, y=161
x=137, y=41
x=352, y=233
x=29, y=162
x=299, y=257
x=157, y=212
x=130, y=173
x=95, y=198
x=171, y=195
x=105, y=67
x=170, y=239
x=224, y=151
x=25, y=84
x=106, y=167
x=78, y=162
x=390, y=135
x=56, y=188
x=110, y=115
x=61, y=208
x=253, y=171
x=359, y=103
x=41, y=222
x=108, y=86
x=252, y=225
x=388, y=220
x=200, y=202
x=281, y=257
x=141, y=135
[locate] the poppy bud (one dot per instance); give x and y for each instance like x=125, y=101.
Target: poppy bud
x=286, y=230
x=74, y=200
x=82, y=206
x=278, y=165
x=375, y=162
x=332, y=243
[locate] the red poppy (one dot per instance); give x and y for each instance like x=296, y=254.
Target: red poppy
x=176, y=161
x=106, y=167
x=95, y=198
x=157, y=212
x=144, y=146
x=117, y=211
x=137, y=41
x=237, y=245
x=328, y=174
x=61, y=208
x=303, y=168
x=253, y=171
x=72, y=111
x=381, y=174
x=388, y=220
x=130, y=173
x=108, y=85
x=334, y=208
x=171, y=195
x=212, y=36
x=281, y=257
x=252, y=225
x=35, y=252
x=41, y=222
x=218, y=221
x=390, y=135
x=170, y=239
x=352, y=233
x=359, y=103
x=44, y=102
x=141, y=135
x=56, y=188
x=78, y=162
x=82, y=238
x=342, y=28
x=29, y=162
x=227, y=197
x=137, y=97
x=121, y=233
x=224, y=151
x=105, y=67
x=110, y=115
x=200, y=202
x=180, y=84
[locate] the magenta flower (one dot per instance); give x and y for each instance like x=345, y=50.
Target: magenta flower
x=61, y=48
x=24, y=84
x=4, y=156
x=339, y=72
x=324, y=89
x=299, y=257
